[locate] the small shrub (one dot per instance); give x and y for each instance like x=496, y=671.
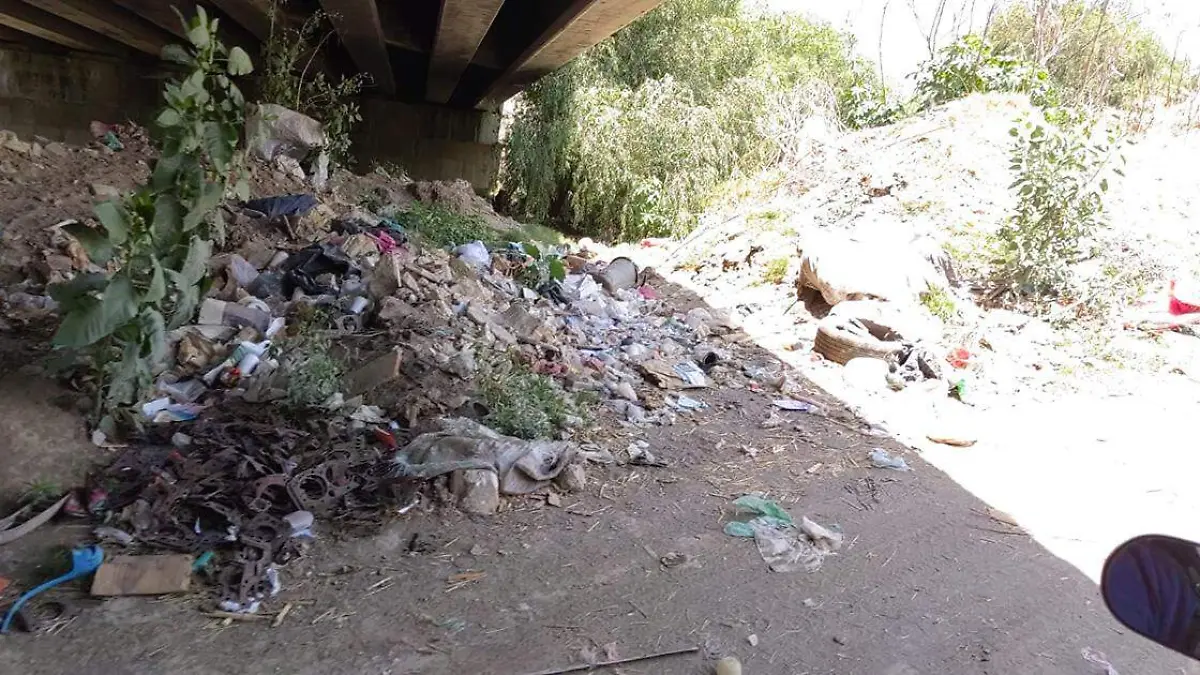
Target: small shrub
x=1062, y=172
x=939, y=303
x=522, y=403
x=289, y=79
x=159, y=238
x=313, y=374
x=439, y=226
x=970, y=66
x=775, y=271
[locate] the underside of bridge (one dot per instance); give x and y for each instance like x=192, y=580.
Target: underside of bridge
x=438, y=69
x=462, y=53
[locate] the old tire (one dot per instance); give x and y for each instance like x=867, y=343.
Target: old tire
x=836, y=342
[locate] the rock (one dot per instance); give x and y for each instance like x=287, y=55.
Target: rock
x=56, y=149
x=462, y=364
x=552, y=499
x=625, y=391
x=843, y=269
x=752, y=639
x=635, y=413
x=17, y=145
x=35, y=149
x=104, y=191
x=520, y=322
x=572, y=479
x=385, y=279
x=478, y=314
x=866, y=374
x=375, y=374
x=359, y=245
x=396, y=313
x=502, y=334
x=478, y=490
x=729, y=666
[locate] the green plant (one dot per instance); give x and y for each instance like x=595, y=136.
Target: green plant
x=159, y=238
x=41, y=492
x=1095, y=53
x=775, y=271
x=291, y=79
x=634, y=137
x=1061, y=176
x=522, y=403
x=939, y=303
x=541, y=268
x=439, y=226
x=313, y=373
x=970, y=66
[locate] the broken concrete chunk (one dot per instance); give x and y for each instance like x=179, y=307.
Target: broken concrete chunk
x=502, y=334
x=478, y=490
x=375, y=374
x=478, y=314
x=143, y=575
x=520, y=322
x=385, y=279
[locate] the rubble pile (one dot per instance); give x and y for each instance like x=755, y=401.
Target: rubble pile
x=334, y=373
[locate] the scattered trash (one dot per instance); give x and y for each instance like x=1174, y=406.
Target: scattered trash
x=683, y=402
x=84, y=561
x=276, y=131
x=143, y=575
x=10, y=533
x=474, y=253
x=672, y=559
x=521, y=466
x=729, y=666
x=1099, y=659
x=284, y=205
x=797, y=405
x=617, y=662
x=640, y=455
x=752, y=639
x=780, y=545
x=619, y=274
x=953, y=441
x=691, y=373
x=114, y=535
x=880, y=459
x=959, y=358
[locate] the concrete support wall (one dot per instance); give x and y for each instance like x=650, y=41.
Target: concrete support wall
x=57, y=95
x=431, y=142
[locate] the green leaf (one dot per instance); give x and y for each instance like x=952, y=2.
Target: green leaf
x=154, y=328
x=210, y=198
x=158, y=284
x=532, y=251
x=165, y=170
x=196, y=264
x=198, y=34
x=186, y=300
x=98, y=247
x=169, y=117
x=99, y=319
x=239, y=62
x=176, y=54
x=1104, y=185
x=217, y=147
x=115, y=220
x=168, y=220
x=558, y=271
x=242, y=190
x=77, y=293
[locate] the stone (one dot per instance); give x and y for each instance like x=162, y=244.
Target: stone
x=143, y=575
x=625, y=391
x=478, y=490
x=396, y=313
x=35, y=149
x=478, y=314
x=17, y=145
x=729, y=666
x=573, y=478
x=375, y=374
x=462, y=364
x=104, y=191
x=359, y=245
x=502, y=334
x=385, y=278
x=552, y=499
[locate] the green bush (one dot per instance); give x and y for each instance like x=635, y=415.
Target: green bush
x=1062, y=172
x=522, y=403
x=439, y=226
x=1094, y=54
x=970, y=66
x=633, y=137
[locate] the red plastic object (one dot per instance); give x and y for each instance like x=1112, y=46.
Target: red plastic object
x=386, y=437
x=648, y=292
x=959, y=358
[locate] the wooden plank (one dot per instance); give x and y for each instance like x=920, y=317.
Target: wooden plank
x=14, y=36
x=107, y=20
x=46, y=26
x=462, y=24
x=358, y=27
x=583, y=24
x=253, y=15
x=143, y=575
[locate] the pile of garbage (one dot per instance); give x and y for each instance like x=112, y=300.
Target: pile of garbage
x=231, y=473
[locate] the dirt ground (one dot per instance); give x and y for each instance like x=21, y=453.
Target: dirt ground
x=927, y=583
x=636, y=564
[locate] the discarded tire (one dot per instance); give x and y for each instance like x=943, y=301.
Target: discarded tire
x=840, y=339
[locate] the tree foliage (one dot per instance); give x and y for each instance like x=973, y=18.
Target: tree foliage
x=1097, y=52
x=159, y=238
x=632, y=138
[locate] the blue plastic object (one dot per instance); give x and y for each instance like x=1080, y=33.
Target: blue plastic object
x=84, y=561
